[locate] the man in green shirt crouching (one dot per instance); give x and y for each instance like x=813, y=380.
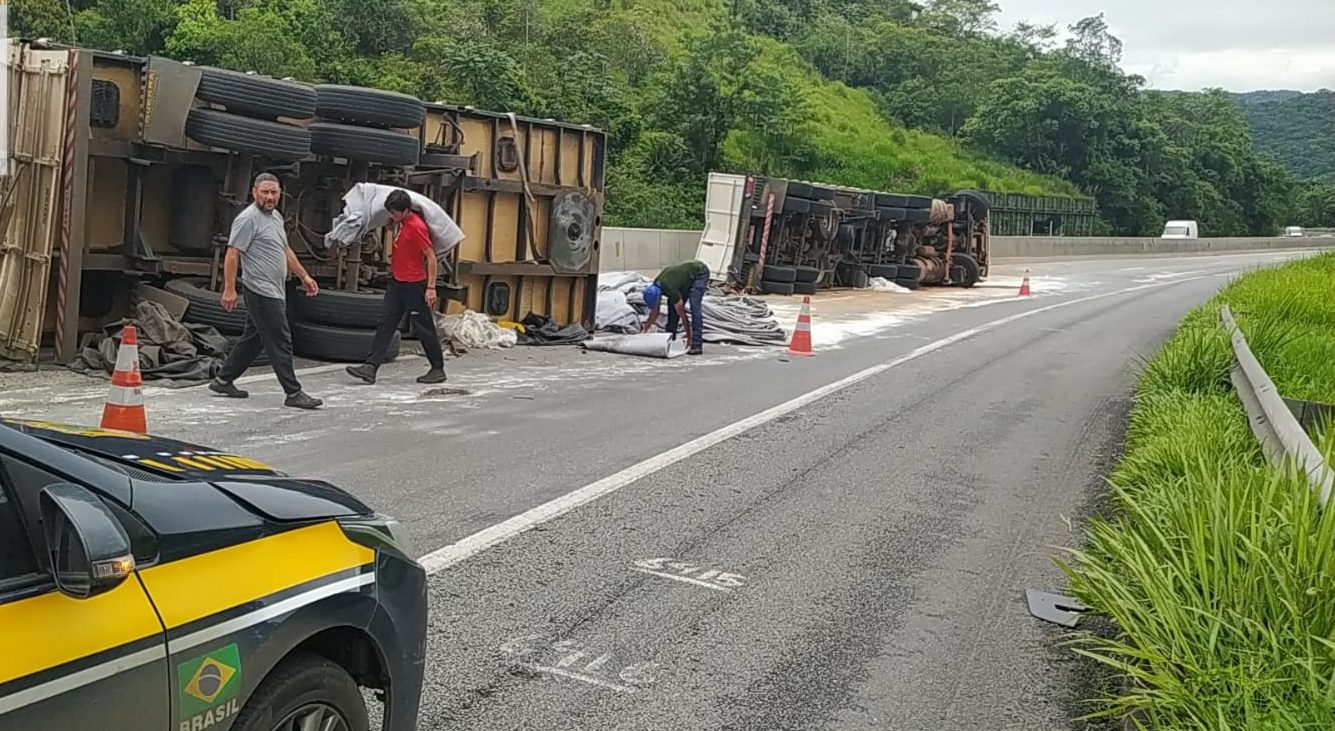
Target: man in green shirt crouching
x=688, y=280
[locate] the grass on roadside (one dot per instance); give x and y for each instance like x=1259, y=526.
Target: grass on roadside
x=1218, y=570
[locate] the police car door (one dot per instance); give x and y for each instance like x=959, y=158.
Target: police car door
x=81, y=646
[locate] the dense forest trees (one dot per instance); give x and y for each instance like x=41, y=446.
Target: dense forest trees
x=888, y=94
x=1298, y=129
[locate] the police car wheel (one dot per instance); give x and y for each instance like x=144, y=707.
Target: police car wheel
x=305, y=691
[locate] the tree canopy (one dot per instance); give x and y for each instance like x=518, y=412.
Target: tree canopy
x=888, y=94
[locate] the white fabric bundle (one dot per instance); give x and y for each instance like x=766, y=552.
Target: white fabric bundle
x=364, y=211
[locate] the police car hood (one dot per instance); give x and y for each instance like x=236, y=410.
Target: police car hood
x=149, y=457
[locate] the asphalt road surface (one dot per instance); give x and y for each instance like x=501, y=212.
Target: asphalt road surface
x=743, y=541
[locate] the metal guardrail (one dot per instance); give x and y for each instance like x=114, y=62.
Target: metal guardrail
x=1273, y=423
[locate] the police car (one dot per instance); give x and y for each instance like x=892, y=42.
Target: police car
x=153, y=585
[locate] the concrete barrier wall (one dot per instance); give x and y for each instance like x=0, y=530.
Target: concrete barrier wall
x=1021, y=247
x=645, y=249
x=648, y=249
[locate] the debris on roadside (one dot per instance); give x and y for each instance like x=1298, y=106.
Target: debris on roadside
x=541, y=330
x=171, y=353
x=1055, y=608
x=649, y=345
x=728, y=318
x=473, y=331
x=615, y=314
x=881, y=284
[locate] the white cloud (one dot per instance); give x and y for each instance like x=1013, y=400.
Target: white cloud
x=1239, y=45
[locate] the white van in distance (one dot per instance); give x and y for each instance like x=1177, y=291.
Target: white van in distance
x=1180, y=230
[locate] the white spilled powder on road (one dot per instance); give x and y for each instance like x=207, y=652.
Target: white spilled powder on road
x=829, y=331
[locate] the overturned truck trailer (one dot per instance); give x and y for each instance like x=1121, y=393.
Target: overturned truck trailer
x=780, y=236
x=144, y=161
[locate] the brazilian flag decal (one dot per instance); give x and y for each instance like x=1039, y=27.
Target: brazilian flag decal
x=209, y=680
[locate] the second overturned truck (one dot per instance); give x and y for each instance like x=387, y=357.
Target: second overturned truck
x=780, y=236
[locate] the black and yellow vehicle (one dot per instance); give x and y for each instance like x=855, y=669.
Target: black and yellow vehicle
x=151, y=585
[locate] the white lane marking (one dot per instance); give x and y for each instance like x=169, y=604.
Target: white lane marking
x=710, y=579
x=484, y=539
x=581, y=677
x=66, y=683
x=571, y=653
x=684, y=579
x=246, y=621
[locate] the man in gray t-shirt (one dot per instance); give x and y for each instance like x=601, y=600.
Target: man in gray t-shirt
x=258, y=245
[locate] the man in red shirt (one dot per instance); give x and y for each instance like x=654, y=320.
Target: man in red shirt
x=411, y=290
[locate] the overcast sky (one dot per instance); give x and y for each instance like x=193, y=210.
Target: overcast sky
x=1240, y=45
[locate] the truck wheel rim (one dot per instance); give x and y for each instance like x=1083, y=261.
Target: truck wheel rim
x=313, y=717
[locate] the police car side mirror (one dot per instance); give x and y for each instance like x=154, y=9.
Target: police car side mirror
x=88, y=548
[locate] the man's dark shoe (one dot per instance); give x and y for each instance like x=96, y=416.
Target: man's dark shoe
x=365, y=371
x=695, y=350
x=435, y=375
x=300, y=400
x=226, y=389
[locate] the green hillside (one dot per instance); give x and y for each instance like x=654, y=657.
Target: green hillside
x=1297, y=129
x=888, y=94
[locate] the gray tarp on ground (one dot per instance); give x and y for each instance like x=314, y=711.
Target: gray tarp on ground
x=171, y=354
x=364, y=211
x=727, y=318
x=615, y=315
x=649, y=345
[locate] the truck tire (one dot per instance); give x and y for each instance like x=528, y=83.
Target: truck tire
x=892, y=214
x=768, y=287
x=338, y=308
x=909, y=283
x=368, y=107
x=304, y=683
x=979, y=202
x=796, y=205
x=890, y=200
x=858, y=279
x=337, y=344
x=972, y=272
x=804, y=288
x=274, y=140
x=780, y=274
x=918, y=215
x=917, y=201
x=884, y=271
x=382, y=146
x=256, y=96
x=806, y=274
x=205, y=306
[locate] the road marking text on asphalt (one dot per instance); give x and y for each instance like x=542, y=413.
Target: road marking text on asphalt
x=569, y=663
x=682, y=570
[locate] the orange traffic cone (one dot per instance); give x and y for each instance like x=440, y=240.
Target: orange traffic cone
x=801, y=343
x=124, y=409
x=1024, y=286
